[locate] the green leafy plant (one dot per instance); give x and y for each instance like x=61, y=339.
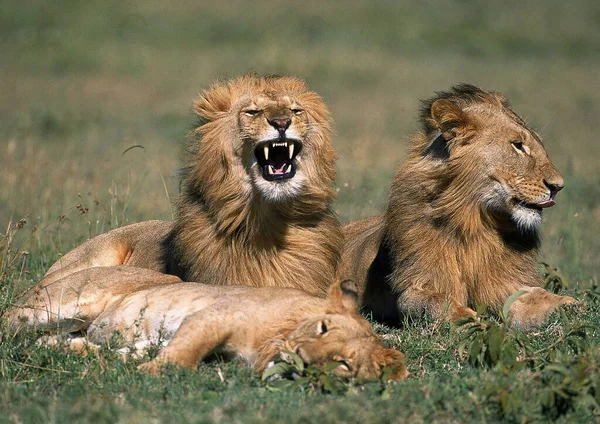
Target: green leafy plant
x=554, y=281
x=289, y=371
x=568, y=381
x=492, y=343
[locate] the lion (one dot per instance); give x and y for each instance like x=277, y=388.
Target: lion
x=255, y=206
x=462, y=225
x=196, y=320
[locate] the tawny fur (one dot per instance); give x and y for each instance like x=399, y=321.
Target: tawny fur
x=232, y=226
x=197, y=320
x=455, y=233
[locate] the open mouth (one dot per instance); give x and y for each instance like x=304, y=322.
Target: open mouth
x=536, y=206
x=276, y=158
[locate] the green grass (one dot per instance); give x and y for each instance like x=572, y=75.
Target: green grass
x=84, y=81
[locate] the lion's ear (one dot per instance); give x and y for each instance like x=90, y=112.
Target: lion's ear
x=450, y=120
x=343, y=298
x=214, y=102
x=394, y=359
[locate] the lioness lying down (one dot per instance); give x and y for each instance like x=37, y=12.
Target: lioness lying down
x=255, y=324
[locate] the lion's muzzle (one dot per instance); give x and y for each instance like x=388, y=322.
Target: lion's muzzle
x=276, y=158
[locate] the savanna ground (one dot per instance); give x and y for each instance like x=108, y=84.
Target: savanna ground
x=82, y=82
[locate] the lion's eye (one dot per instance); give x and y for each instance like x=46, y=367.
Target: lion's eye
x=520, y=147
x=321, y=328
x=252, y=112
x=297, y=111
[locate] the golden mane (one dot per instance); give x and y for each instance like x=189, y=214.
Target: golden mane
x=226, y=232
x=462, y=225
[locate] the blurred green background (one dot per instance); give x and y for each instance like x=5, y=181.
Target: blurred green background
x=83, y=81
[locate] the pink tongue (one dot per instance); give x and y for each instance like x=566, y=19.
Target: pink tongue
x=279, y=171
x=546, y=204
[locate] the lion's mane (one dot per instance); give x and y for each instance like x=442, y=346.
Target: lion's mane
x=226, y=232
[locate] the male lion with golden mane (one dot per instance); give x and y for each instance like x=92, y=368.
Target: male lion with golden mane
x=255, y=324
x=463, y=220
x=255, y=206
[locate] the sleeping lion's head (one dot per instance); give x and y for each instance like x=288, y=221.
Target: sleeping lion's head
x=344, y=336
x=264, y=136
x=487, y=155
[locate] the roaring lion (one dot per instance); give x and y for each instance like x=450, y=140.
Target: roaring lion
x=462, y=224
x=255, y=324
x=256, y=196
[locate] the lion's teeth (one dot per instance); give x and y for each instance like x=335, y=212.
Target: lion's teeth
x=289, y=169
x=266, y=150
x=291, y=150
x=270, y=170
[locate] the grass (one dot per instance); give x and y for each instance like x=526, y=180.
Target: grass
x=84, y=81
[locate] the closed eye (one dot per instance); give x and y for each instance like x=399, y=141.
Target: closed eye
x=297, y=111
x=344, y=365
x=252, y=112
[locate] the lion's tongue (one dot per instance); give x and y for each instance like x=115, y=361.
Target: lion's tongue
x=546, y=204
x=279, y=171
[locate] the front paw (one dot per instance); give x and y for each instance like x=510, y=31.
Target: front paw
x=151, y=367
x=532, y=309
x=462, y=312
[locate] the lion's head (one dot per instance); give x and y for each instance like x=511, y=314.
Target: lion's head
x=489, y=156
x=344, y=336
x=266, y=136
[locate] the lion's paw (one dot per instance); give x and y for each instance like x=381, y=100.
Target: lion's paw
x=532, y=309
x=151, y=367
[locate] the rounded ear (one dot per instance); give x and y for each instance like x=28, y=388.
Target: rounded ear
x=395, y=359
x=343, y=298
x=503, y=101
x=450, y=120
x=213, y=102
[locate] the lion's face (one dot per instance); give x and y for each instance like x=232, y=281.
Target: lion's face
x=273, y=129
x=500, y=160
x=349, y=340
x=344, y=336
x=269, y=134
x=523, y=180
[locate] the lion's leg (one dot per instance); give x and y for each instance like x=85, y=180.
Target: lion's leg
x=138, y=245
x=416, y=302
x=533, y=308
x=48, y=310
x=199, y=335
x=79, y=345
x=72, y=303
x=96, y=255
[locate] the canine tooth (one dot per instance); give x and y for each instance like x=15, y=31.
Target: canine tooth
x=289, y=169
x=291, y=150
x=266, y=150
x=270, y=169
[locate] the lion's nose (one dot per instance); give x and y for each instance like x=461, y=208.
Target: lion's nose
x=280, y=124
x=554, y=185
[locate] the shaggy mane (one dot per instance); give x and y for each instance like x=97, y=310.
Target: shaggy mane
x=225, y=232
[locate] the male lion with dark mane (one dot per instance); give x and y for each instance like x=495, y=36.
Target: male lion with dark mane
x=255, y=207
x=463, y=220
x=195, y=320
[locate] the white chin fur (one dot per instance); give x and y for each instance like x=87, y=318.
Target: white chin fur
x=280, y=191
x=526, y=218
